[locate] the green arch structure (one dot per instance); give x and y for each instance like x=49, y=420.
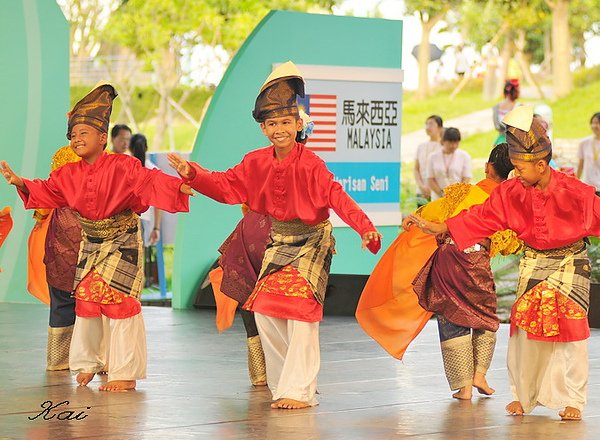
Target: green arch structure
x=34, y=86
x=228, y=130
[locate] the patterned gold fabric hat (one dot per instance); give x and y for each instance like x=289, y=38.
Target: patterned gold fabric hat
x=277, y=96
x=525, y=135
x=93, y=109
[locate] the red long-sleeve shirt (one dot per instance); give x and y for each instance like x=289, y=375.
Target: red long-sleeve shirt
x=565, y=212
x=299, y=187
x=112, y=184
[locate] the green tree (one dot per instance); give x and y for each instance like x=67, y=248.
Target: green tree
x=531, y=22
x=561, y=48
x=86, y=19
x=159, y=31
x=240, y=17
x=518, y=26
x=584, y=21
x=571, y=19
x=430, y=13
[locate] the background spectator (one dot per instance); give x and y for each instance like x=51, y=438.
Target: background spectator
x=511, y=94
x=120, y=136
x=448, y=165
x=434, y=127
x=589, y=155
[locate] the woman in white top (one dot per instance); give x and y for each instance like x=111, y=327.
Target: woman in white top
x=449, y=165
x=511, y=92
x=434, y=127
x=151, y=218
x=589, y=155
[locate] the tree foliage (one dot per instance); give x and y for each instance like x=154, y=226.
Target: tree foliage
x=148, y=25
x=240, y=17
x=480, y=20
x=535, y=19
x=160, y=31
x=86, y=19
x=584, y=19
x=428, y=9
x=430, y=13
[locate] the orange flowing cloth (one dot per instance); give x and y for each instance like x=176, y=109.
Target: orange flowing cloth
x=226, y=306
x=36, y=269
x=6, y=223
x=388, y=309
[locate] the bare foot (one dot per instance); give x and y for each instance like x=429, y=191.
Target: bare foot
x=118, y=385
x=464, y=393
x=84, y=378
x=289, y=404
x=515, y=408
x=480, y=382
x=104, y=370
x=570, y=413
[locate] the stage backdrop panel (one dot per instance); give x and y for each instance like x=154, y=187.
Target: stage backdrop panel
x=34, y=86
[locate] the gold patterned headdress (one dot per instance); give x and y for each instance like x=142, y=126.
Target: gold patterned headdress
x=277, y=96
x=93, y=109
x=525, y=135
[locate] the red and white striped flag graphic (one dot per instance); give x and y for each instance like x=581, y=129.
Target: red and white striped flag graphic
x=323, y=112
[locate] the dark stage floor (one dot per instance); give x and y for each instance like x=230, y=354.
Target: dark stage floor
x=198, y=388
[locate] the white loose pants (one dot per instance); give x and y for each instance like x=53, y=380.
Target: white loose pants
x=123, y=341
x=292, y=356
x=551, y=374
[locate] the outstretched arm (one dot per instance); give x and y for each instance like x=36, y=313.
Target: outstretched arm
x=156, y=188
x=12, y=178
x=225, y=187
x=35, y=193
x=348, y=210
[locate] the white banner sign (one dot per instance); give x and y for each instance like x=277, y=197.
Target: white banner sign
x=357, y=114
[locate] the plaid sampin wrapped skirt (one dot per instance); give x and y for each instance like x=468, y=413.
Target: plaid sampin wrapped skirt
x=109, y=270
x=294, y=273
x=553, y=294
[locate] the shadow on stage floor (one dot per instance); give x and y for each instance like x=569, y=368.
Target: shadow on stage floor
x=197, y=388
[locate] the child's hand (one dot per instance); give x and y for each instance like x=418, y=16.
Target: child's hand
x=186, y=189
x=10, y=175
x=407, y=223
x=369, y=237
x=180, y=165
x=427, y=226
x=154, y=237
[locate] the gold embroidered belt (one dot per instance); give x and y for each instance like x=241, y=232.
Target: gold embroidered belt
x=109, y=227
x=296, y=227
x=570, y=249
